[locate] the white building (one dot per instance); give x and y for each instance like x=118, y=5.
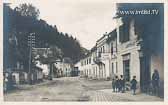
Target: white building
x=128, y=61
x=86, y=66
x=45, y=68
x=120, y=53
x=64, y=67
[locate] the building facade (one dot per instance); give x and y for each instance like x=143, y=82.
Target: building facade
x=64, y=67
x=120, y=52
x=128, y=61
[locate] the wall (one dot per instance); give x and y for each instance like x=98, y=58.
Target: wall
x=129, y=47
x=157, y=63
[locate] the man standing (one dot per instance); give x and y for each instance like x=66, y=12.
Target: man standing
x=114, y=84
x=155, y=82
x=133, y=84
x=117, y=84
x=122, y=84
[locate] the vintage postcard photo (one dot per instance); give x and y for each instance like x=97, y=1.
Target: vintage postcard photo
x=83, y=51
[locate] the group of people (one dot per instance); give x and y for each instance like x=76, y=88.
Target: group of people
x=118, y=84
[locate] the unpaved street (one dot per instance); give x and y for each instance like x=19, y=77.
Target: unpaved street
x=73, y=89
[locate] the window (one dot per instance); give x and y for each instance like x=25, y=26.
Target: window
x=126, y=67
x=89, y=60
x=112, y=48
x=89, y=72
x=116, y=67
x=103, y=49
x=112, y=67
x=99, y=54
x=96, y=71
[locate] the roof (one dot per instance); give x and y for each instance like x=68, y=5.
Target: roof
x=93, y=48
x=112, y=35
x=67, y=60
x=38, y=68
x=102, y=37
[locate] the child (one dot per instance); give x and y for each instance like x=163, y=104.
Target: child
x=133, y=84
x=113, y=84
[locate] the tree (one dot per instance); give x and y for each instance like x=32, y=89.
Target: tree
x=56, y=52
x=22, y=21
x=28, y=10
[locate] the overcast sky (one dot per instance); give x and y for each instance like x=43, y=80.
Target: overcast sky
x=83, y=19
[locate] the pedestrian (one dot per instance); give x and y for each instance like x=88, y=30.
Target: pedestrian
x=117, y=84
x=155, y=82
x=114, y=84
x=122, y=84
x=133, y=84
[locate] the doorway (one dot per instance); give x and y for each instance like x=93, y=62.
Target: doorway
x=144, y=74
x=126, y=68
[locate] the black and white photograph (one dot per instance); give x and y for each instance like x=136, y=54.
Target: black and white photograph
x=83, y=51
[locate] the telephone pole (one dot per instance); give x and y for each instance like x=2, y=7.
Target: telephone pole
x=31, y=44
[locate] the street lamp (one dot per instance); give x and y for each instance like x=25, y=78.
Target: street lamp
x=31, y=44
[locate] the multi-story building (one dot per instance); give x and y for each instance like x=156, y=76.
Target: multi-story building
x=96, y=72
x=103, y=56
x=86, y=66
x=128, y=61
x=112, y=43
x=101, y=59
x=121, y=52
x=141, y=39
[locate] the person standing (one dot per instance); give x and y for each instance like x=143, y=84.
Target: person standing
x=122, y=84
x=117, y=84
x=114, y=84
x=133, y=84
x=155, y=82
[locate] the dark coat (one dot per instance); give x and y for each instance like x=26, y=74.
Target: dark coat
x=114, y=83
x=117, y=84
x=155, y=79
x=133, y=84
x=122, y=82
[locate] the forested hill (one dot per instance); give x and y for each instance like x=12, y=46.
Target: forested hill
x=23, y=20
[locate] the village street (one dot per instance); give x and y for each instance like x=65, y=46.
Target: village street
x=73, y=89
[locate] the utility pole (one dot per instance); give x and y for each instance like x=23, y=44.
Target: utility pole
x=31, y=44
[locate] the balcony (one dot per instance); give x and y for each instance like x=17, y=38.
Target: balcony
x=105, y=56
x=97, y=60
x=100, y=59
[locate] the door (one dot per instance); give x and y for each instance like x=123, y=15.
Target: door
x=144, y=74
x=126, y=68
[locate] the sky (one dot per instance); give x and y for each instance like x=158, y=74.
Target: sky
x=86, y=20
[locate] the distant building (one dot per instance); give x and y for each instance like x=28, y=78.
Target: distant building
x=64, y=67
x=86, y=66
x=41, y=53
x=44, y=67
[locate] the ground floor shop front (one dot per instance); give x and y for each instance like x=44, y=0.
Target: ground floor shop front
x=130, y=63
